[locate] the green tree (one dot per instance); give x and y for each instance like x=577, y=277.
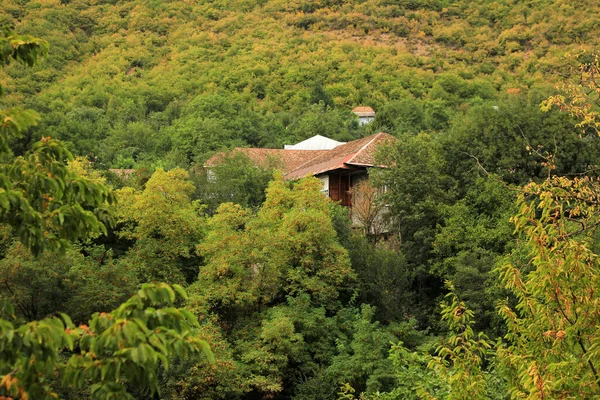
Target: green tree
x=47, y=204
x=401, y=117
x=552, y=347
x=513, y=139
x=319, y=120
x=362, y=352
x=385, y=280
x=289, y=343
x=193, y=378
x=70, y=282
x=578, y=96
x=416, y=188
x=462, y=368
x=235, y=179
x=165, y=224
x=552, y=341
x=288, y=247
x=210, y=122
x=460, y=361
x=124, y=347
x=473, y=235
x=272, y=279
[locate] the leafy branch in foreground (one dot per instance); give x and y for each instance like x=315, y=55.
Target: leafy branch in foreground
x=46, y=203
x=460, y=361
x=553, y=339
x=460, y=369
x=115, y=351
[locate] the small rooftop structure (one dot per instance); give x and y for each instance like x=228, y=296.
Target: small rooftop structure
x=123, y=173
x=365, y=114
x=316, y=142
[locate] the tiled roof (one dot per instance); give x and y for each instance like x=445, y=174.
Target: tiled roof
x=364, y=111
x=121, y=172
x=359, y=152
x=300, y=163
x=288, y=160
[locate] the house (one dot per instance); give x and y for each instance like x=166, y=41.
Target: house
x=339, y=166
x=343, y=167
x=365, y=114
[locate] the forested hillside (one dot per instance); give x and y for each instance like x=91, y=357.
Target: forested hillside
x=163, y=83
x=159, y=280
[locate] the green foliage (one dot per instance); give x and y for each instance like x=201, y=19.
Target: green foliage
x=291, y=343
x=411, y=116
x=165, y=224
x=416, y=188
x=413, y=376
x=298, y=350
x=210, y=122
x=275, y=281
x=202, y=379
x=362, y=350
x=384, y=278
x=124, y=346
x=578, y=95
x=461, y=368
x=460, y=361
x=177, y=81
x=474, y=234
x=71, y=283
x=23, y=48
x=339, y=125
x=552, y=340
x=513, y=139
x=295, y=304
x=236, y=179
x=47, y=204
x=288, y=247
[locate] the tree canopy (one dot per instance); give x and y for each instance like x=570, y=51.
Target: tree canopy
x=466, y=267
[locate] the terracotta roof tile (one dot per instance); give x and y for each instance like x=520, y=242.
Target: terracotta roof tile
x=300, y=163
x=122, y=172
x=359, y=152
x=364, y=111
x=287, y=159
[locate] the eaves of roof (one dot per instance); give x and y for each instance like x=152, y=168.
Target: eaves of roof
x=359, y=152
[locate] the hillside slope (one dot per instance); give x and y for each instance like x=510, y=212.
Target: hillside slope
x=168, y=82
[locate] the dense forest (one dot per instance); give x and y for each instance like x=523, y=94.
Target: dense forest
x=129, y=272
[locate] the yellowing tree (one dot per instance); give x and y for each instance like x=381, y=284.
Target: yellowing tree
x=48, y=204
x=553, y=348
x=165, y=224
x=580, y=98
x=288, y=247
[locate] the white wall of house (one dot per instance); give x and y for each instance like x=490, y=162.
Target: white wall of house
x=210, y=175
x=365, y=120
x=325, y=181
